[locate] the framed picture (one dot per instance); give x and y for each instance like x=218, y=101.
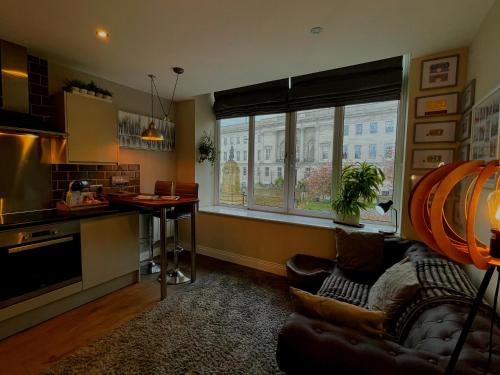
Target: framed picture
x=131, y=125
x=441, y=72
x=467, y=98
x=436, y=105
x=463, y=152
x=485, y=123
x=463, y=131
x=435, y=132
x=431, y=158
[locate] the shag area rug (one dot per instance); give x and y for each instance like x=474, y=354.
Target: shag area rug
x=227, y=322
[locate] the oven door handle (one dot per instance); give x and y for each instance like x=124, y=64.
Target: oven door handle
x=36, y=245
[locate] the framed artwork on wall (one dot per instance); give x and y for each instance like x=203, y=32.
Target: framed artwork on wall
x=467, y=97
x=131, y=125
x=438, y=73
x=435, y=132
x=485, y=123
x=463, y=131
x=436, y=105
x=431, y=158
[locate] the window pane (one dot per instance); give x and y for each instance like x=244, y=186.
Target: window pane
x=233, y=180
x=269, y=164
x=313, y=159
x=377, y=150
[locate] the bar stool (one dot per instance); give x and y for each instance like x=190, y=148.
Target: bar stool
x=185, y=190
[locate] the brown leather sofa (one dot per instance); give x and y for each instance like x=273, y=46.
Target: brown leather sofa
x=421, y=338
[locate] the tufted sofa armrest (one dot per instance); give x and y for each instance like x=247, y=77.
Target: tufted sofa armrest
x=307, y=346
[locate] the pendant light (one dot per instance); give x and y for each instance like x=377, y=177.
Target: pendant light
x=151, y=133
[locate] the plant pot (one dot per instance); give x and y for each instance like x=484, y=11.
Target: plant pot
x=91, y=93
x=74, y=89
x=346, y=219
x=99, y=95
x=107, y=97
x=83, y=91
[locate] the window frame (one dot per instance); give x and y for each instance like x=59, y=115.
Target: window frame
x=336, y=150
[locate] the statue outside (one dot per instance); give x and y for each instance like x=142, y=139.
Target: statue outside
x=231, y=190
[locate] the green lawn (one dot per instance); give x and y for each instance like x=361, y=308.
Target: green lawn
x=317, y=206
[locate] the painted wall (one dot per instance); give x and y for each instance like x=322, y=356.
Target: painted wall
x=185, y=141
x=154, y=165
x=414, y=92
x=484, y=66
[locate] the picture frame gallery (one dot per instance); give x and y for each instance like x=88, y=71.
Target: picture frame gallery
x=439, y=72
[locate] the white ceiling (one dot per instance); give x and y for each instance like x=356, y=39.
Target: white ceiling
x=230, y=43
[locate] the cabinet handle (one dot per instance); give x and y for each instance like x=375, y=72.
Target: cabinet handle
x=18, y=249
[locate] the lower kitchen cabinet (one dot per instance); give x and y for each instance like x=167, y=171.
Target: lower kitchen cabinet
x=110, y=248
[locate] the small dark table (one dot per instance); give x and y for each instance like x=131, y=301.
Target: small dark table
x=163, y=205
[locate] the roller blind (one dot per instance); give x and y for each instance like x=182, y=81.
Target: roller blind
x=260, y=99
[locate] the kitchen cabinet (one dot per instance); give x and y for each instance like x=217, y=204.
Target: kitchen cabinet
x=110, y=248
x=92, y=127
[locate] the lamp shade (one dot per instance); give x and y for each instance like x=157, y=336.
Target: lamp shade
x=382, y=208
x=151, y=133
x=494, y=210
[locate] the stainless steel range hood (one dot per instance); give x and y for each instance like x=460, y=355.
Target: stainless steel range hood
x=14, y=94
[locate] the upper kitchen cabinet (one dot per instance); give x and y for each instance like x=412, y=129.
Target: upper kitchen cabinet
x=92, y=128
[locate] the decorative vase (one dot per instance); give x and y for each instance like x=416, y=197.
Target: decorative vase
x=346, y=219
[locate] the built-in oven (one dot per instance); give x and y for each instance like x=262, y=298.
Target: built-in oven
x=39, y=259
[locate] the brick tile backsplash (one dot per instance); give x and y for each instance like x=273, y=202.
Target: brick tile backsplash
x=38, y=84
x=63, y=174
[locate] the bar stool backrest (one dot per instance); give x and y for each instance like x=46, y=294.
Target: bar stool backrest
x=163, y=188
x=186, y=189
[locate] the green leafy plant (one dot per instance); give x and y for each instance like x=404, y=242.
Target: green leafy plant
x=92, y=86
x=207, y=149
x=359, y=188
x=69, y=83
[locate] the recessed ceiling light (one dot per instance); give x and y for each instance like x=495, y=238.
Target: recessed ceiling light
x=102, y=34
x=316, y=30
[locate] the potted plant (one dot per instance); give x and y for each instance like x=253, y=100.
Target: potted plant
x=207, y=149
x=73, y=85
x=107, y=94
x=91, y=88
x=358, y=190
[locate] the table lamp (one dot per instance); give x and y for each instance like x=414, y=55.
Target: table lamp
x=427, y=217
x=382, y=209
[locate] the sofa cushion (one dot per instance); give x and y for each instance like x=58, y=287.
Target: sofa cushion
x=343, y=288
x=394, y=288
x=341, y=313
x=360, y=252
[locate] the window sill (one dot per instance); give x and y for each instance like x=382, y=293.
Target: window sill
x=287, y=219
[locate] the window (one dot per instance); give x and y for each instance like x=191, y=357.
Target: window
x=225, y=141
x=268, y=150
x=304, y=184
x=325, y=151
x=388, y=151
x=389, y=127
x=380, y=148
x=238, y=140
x=372, y=151
x=345, y=151
x=357, y=151
x=359, y=129
x=233, y=177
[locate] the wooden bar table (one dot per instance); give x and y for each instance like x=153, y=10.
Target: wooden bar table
x=163, y=205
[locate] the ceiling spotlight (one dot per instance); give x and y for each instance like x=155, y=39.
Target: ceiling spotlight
x=316, y=30
x=102, y=34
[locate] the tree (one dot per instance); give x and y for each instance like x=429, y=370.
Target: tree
x=319, y=182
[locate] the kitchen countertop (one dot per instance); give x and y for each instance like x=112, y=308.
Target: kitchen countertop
x=31, y=218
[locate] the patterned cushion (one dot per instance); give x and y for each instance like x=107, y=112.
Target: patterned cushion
x=345, y=290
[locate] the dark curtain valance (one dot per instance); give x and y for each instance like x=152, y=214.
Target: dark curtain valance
x=370, y=82
x=261, y=99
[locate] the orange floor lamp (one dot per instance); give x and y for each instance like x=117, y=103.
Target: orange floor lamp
x=426, y=208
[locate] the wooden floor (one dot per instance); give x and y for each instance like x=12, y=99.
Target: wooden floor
x=37, y=348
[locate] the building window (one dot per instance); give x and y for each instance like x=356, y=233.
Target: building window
x=389, y=151
x=345, y=151
x=357, y=151
x=325, y=151
x=304, y=184
x=359, y=129
x=225, y=141
x=372, y=151
x=238, y=140
x=268, y=150
x=389, y=127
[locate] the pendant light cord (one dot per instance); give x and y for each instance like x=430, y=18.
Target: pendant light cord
x=152, y=98
x=171, y=100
